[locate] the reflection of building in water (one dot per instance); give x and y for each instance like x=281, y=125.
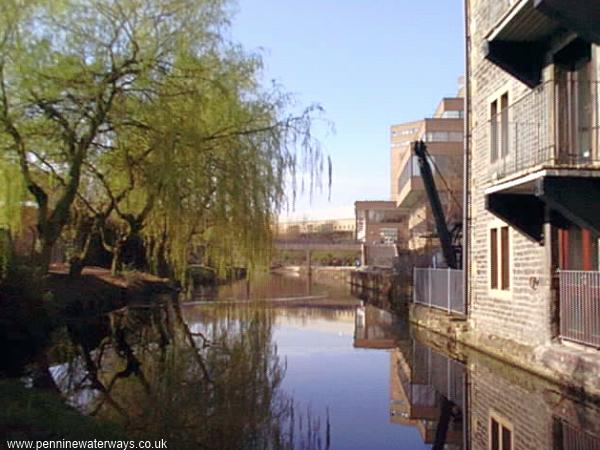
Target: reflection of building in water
x=427, y=391
x=375, y=328
x=334, y=321
x=510, y=409
x=485, y=403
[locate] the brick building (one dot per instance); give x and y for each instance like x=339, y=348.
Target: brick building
x=443, y=134
x=534, y=176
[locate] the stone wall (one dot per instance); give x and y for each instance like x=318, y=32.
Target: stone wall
x=522, y=313
x=524, y=409
x=538, y=410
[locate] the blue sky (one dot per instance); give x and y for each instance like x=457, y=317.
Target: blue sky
x=370, y=64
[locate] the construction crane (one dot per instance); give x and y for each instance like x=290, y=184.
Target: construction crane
x=446, y=236
x=448, y=410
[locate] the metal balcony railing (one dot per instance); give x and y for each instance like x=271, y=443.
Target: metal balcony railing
x=579, y=296
x=553, y=126
x=574, y=438
x=439, y=288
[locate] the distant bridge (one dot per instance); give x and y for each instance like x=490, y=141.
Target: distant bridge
x=316, y=245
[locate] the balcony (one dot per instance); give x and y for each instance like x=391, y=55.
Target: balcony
x=544, y=159
x=522, y=33
x=534, y=133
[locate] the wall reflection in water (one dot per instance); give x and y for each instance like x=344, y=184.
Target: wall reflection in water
x=428, y=392
x=460, y=399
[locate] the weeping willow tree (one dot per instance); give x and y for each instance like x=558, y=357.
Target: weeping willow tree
x=11, y=196
x=220, y=180
x=65, y=66
x=204, y=164
x=138, y=116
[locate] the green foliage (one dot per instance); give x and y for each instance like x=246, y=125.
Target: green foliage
x=41, y=415
x=5, y=253
x=140, y=114
x=12, y=193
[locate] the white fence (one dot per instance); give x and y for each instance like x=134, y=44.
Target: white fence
x=439, y=288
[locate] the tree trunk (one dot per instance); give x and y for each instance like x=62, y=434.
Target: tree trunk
x=117, y=263
x=77, y=262
x=45, y=257
x=76, y=266
x=6, y=251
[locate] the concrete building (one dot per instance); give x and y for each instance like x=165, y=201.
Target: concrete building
x=341, y=228
x=443, y=134
x=378, y=222
x=534, y=183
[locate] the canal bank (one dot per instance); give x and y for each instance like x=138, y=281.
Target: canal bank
x=283, y=362
x=382, y=287
x=531, y=412
x=458, y=397
x=574, y=367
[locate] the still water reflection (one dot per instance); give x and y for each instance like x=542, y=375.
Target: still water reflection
x=285, y=364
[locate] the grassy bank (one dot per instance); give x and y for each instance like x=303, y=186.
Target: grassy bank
x=33, y=414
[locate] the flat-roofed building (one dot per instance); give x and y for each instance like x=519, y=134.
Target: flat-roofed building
x=335, y=228
x=443, y=134
x=379, y=222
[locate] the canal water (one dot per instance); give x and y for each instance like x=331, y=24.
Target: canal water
x=284, y=363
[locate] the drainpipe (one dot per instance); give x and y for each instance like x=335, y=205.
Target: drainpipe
x=466, y=167
x=466, y=214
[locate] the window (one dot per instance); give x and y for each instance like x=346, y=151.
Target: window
x=494, y=258
x=412, y=169
x=455, y=136
x=499, y=124
x=500, y=258
x=452, y=114
x=504, y=125
x=443, y=136
x=404, y=132
x=501, y=434
x=494, y=131
x=579, y=249
x=575, y=102
x=389, y=235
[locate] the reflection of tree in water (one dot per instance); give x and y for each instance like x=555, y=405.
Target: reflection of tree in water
x=212, y=385
x=268, y=287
